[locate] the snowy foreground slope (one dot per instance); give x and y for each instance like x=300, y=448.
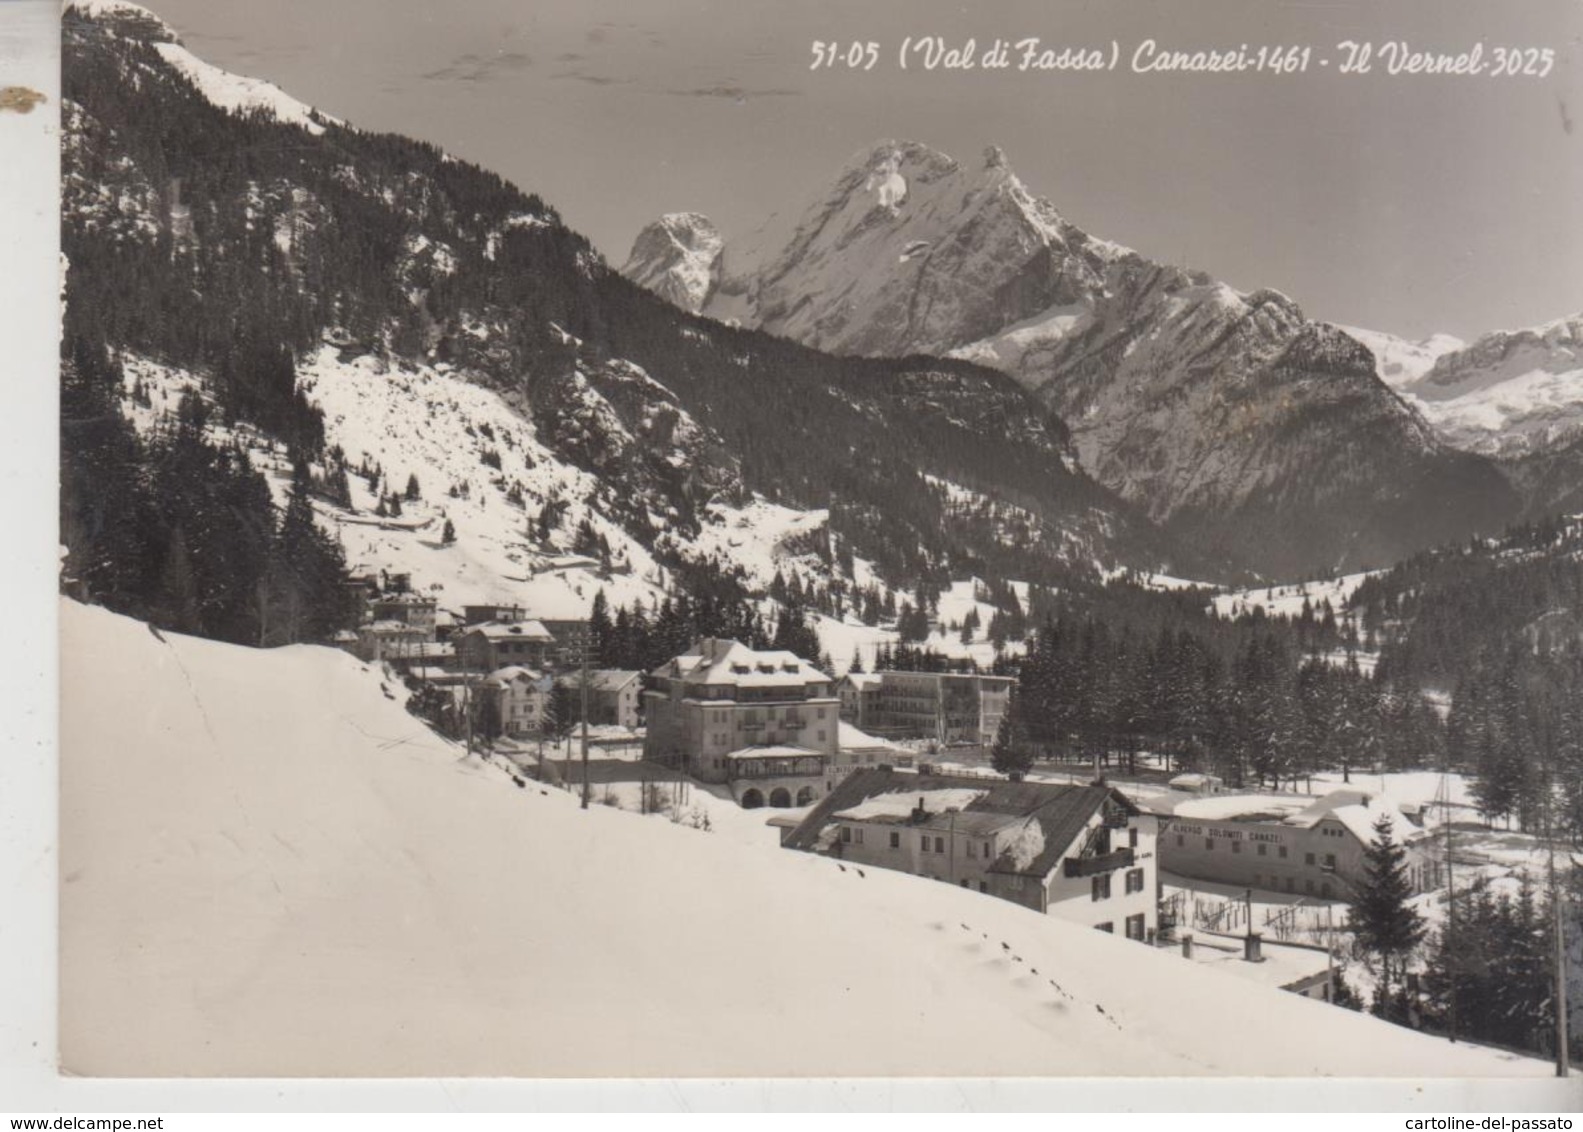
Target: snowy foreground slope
x=269, y=868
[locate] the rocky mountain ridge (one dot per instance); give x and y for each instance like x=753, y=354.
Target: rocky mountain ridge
x=1232, y=418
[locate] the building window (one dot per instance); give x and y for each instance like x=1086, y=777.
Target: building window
x=1134, y=880
x=1309, y=885
x=846, y=833
x=970, y=850
x=924, y=840
x=1132, y=838
x=1325, y=890
x=860, y=837
x=1180, y=841
x=1282, y=851
x=1264, y=850
x=1135, y=927
x=1236, y=846
x=1308, y=858
x=1107, y=926
x=1101, y=887
x=1209, y=843
x=895, y=840
x=1330, y=860
x=982, y=887
x=939, y=845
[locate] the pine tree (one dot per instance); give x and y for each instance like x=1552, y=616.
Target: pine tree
x=1382, y=921
x=448, y=534
x=412, y=494
x=1010, y=755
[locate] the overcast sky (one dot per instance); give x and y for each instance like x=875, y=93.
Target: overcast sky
x=1406, y=204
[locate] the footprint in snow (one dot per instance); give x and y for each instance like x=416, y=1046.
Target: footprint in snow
x=841, y=867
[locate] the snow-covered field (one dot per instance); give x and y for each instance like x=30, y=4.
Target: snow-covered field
x=1287, y=600
x=270, y=868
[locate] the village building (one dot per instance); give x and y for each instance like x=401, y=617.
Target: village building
x=615, y=696
x=1291, y=843
x=1197, y=782
x=856, y=749
x=496, y=644
x=510, y=701
x=413, y=609
x=763, y=722
x=948, y=707
x=379, y=641
x=1081, y=853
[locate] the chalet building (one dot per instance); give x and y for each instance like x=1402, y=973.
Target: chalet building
x=948, y=707
x=1291, y=843
x=495, y=644
x=1081, y=853
x=615, y=696
x=514, y=698
x=394, y=641
x=413, y=609
x=762, y=722
x=859, y=695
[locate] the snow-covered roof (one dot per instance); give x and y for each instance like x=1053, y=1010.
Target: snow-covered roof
x=1194, y=780
x=510, y=674
x=1358, y=810
x=720, y=662
x=904, y=805
x=1245, y=807
x=513, y=630
x=849, y=738
x=775, y=751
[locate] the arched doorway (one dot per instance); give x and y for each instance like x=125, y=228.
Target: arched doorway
x=805, y=795
x=780, y=798
x=752, y=799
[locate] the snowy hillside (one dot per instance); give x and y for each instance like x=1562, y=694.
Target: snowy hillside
x=331, y=890
x=237, y=94
x=425, y=421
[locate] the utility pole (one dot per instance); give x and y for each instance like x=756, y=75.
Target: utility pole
x=1451, y=905
x=584, y=682
x=1559, y=997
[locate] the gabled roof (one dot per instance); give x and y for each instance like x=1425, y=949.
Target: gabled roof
x=510, y=674
x=717, y=661
x=1060, y=811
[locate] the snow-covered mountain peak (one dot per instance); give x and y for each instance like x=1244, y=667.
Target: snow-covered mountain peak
x=1507, y=393
x=677, y=257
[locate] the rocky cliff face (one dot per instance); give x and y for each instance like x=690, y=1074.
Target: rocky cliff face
x=1231, y=417
x=676, y=257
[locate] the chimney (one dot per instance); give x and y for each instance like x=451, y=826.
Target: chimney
x=1253, y=947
